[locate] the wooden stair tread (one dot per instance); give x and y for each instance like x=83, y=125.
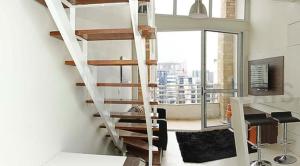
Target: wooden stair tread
x=132, y=126
x=152, y=85
x=89, y=2
x=134, y=135
x=110, y=34
x=123, y=101
x=140, y=144
x=113, y=62
x=128, y=115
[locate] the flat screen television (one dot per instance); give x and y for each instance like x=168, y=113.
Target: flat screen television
x=260, y=77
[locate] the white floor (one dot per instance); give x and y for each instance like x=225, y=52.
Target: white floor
x=172, y=156
x=79, y=159
x=184, y=125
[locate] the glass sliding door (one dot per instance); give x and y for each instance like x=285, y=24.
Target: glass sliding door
x=220, y=75
x=197, y=73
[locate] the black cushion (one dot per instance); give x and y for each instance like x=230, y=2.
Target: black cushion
x=162, y=113
x=162, y=134
x=163, y=128
x=258, y=120
x=284, y=117
x=255, y=116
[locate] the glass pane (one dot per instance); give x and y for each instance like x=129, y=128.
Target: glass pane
x=221, y=60
x=184, y=6
x=217, y=107
x=164, y=7
x=178, y=70
x=231, y=9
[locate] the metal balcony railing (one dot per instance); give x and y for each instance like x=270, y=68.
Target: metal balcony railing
x=182, y=94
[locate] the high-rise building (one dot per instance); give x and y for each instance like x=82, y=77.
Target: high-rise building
x=178, y=86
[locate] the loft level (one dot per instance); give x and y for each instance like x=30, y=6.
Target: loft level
x=92, y=2
x=110, y=34
x=113, y=62
x=151, y=85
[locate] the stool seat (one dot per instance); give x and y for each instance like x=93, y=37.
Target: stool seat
x=284, y=117
x=258, y=120
x=287, y=120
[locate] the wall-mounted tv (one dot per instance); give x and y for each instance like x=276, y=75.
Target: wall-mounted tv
x=260, y=76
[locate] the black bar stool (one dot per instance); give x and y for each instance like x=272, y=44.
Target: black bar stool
x=285, y=118
x=258, y=120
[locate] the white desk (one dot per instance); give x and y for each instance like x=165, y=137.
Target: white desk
x=292, y=106
x=77, y=159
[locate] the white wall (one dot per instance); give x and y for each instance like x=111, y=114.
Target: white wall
x=274, y=31
x=42, y=112
x=90, y=18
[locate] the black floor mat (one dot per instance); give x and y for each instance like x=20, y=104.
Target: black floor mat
x=199, y=147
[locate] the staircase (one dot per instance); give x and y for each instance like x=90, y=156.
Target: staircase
x=133, y=138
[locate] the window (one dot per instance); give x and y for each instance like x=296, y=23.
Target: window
x=179, y=67
x=164, y=7
x=231, y=9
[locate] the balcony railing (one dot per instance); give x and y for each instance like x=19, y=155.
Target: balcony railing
x=182, y=94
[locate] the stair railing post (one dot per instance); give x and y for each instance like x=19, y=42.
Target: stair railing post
x=153, y=51
x=73, y=17
x=140, y=45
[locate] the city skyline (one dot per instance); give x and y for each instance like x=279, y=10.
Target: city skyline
x=172, y=50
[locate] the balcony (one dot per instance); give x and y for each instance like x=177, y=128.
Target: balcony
x=183, y=105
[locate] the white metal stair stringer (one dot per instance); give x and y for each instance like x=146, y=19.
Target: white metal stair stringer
x=67, y=32
x=140, y=44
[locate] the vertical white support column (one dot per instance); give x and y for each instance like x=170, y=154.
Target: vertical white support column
x=85, y=48
x=151, y=13
x=73, y=17
x=155, y=114
x=153, y=48
x=239, y=127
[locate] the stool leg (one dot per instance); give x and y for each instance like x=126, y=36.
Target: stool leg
x=285, y=158
x=285, y=138
x=259, y=161
x=258, y=144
